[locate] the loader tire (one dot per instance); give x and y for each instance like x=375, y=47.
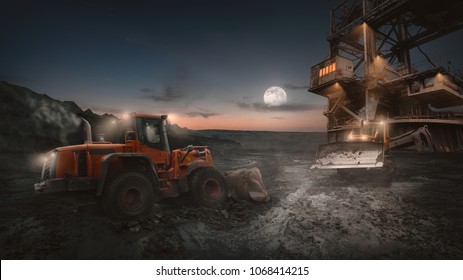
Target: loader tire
x=129, y=195
x=209, y=188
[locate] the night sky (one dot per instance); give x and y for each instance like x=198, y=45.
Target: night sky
x=205, y=63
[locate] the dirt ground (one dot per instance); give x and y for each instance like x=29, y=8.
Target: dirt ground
x=313, y=214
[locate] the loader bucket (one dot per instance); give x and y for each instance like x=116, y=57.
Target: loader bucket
x=247, y=184
x=349, y=155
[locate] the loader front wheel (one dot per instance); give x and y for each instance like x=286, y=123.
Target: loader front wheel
x=129, y=195
x=209, y=188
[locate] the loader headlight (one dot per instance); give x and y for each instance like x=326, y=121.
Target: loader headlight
x=49, y=165
x=48, y=157
x=52, y=156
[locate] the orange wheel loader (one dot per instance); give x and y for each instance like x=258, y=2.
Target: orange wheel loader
x=134, y=171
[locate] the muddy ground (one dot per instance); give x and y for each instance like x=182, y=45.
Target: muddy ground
x=415, y=214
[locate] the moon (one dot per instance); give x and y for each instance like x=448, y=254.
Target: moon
x=275, y=96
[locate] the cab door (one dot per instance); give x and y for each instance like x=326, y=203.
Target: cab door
x=152, y=142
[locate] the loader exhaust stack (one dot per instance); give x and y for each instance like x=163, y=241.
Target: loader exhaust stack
x=87, y=128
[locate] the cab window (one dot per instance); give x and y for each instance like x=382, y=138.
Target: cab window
x=152, y=132
x=149, y=132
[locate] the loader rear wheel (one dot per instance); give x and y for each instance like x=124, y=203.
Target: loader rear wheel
x=128, y=196
x=209, y=188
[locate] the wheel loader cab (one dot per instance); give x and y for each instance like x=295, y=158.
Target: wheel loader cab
x=145, y=134
x=149, y=134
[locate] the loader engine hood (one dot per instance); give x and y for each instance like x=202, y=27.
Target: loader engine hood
x=72, y=161
x=71, y=167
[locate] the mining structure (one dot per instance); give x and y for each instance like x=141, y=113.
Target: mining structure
x=371, y=77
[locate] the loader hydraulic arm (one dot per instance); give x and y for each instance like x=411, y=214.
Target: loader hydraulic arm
x=420, y=137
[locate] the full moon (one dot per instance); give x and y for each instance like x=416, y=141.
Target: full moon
x=275, y=96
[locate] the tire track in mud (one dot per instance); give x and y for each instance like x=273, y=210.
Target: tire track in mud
x=339, y=219
x=245, y=230
x=233, y=233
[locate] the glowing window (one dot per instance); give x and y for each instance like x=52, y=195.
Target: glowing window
x=328, y=69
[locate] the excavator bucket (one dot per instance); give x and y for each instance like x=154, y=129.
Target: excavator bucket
x=349, y=155
x=247, y=184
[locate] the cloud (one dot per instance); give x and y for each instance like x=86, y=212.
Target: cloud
x=278, y=118
x=201, y=109
x=148, y=90
x=201, y=114
x=295, y=87
x=261, y=107
x=169, y=94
